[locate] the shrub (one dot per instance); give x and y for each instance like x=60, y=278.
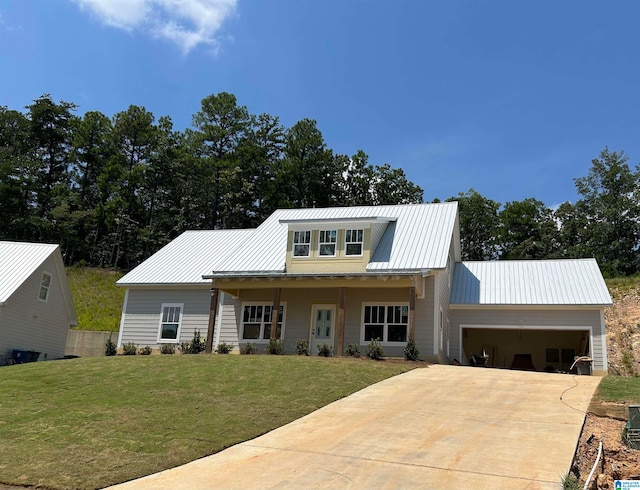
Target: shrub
x=411, y=351
x=145, y=351
x=374, y=350
x=248, y=349
x=167, y=349
x=110, y=348
x=196, y=346
x=324, y=350
x=129, y=349
x=224, y=348
x=275, y=347
x=302, y=347
x=353, y=350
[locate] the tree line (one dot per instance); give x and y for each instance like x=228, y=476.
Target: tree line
x=112, y=191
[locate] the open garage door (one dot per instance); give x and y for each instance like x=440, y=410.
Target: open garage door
x=528, y=348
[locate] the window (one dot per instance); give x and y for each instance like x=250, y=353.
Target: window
x=389, y=323
x=353, y=242
x=563, y=358
x=256, y=322
x=43, y=295
x=301, y=241
x=170, y=322
x=327, y=243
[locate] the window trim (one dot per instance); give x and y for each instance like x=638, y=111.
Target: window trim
x=162, y=340
x=385, y=331
x=307, y=243
x=321, y=243
x=45, y=288
x=260, y=339
x=352, y=242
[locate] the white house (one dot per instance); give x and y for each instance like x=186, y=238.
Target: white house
x=342, y=276
x=36, y=308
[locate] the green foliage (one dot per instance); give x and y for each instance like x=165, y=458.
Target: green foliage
x=570, y=482
x=224, y=348
x=353, y=350
x=97, y=300
x=110, y=348
x=195, y=346
x=129, y=349
x=248, y=349
x=411, y=351
x=275, y=347
x=628, y=362
x=167, y=349
x=374, y=350
x=302, y=347
x=324, y=350
x=478, y=225
x=145, y=351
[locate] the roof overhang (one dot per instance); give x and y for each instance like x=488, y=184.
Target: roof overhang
x=318, y=275
x=361, y=222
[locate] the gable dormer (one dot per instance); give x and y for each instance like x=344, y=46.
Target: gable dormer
x=337, y=245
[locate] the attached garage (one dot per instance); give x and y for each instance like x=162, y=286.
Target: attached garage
x=535, y=315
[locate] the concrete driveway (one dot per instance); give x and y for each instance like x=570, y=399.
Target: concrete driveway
x=439, y=427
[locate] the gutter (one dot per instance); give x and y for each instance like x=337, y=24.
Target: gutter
x=285, y=275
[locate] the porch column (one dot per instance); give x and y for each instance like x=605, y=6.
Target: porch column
x=412, y=310
x=213, y=312
x=275, y=313
x=340, y=324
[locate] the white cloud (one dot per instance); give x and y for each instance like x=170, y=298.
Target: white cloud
x=187, y=23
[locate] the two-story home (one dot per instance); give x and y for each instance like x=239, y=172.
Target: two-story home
x=341, y=276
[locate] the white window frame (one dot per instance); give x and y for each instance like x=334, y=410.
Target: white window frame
x=328, y=240
x=297, y=242
x=260, y=339
x=162, y=340
x=385, y=326
x=348, y=240
x=45, y=287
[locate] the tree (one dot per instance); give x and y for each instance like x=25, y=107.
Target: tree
x=611, y=201
x=478, y=225
x=358, y=184
x=391, y=186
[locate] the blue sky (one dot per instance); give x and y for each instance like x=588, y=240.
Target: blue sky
x=511, y=98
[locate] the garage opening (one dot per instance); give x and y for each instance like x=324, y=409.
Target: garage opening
x=532, y=350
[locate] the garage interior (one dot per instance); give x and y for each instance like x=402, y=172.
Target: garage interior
x=531, y=350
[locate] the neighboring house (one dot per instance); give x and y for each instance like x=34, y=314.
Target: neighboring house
x=36, y=308
x=342, y=276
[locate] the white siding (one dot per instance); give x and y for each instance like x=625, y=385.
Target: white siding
x=228, y=324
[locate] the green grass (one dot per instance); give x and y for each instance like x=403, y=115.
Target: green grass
x=88, y=423
x=613, y=396
x=97, y=299
x=622, y=285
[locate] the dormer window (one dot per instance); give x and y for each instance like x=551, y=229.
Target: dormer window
x=353, y=242
x=301, y=243
x=327, y=243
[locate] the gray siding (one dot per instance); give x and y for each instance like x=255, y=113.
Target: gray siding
x=552, y=318
x=28, y=323
x=227, y=324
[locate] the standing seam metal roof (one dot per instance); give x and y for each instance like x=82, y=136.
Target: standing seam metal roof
x=18, y=260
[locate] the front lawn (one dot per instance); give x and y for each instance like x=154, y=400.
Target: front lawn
x=613, y=396
x=89, y=423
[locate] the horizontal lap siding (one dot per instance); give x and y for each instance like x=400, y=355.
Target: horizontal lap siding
x=550, y=318
x=143, y=310
x=228, y=324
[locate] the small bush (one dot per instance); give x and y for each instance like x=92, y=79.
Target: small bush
x=570, y=482
x=248, y=349
x=411, y=351
x=374, y=350
x=145, y=351
x=275, y=347
x=110, y=348
x=196, y=346
x=302, y=347
x=167, y=349
x=324, y=350
x=224, y=348
x=353, y=350
x=129, y=349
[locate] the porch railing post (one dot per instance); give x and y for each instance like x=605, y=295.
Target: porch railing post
x=275, y=313
x=213, y=313
x=412, y=311
x=340, y=326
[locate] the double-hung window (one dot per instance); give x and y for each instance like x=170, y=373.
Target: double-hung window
x=301, y=243
x=353, y=242
x=327, y=243
x=256, y=321
x=45, y=285
x=170, y=322
x=388, y=323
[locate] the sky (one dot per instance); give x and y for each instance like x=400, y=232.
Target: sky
x=512, y=98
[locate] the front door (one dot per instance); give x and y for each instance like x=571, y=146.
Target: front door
x=322, y=327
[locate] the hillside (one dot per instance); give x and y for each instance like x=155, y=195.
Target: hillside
x=97, y=299
x=623, y=326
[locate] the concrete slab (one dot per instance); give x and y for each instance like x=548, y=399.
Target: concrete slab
x=436, y=427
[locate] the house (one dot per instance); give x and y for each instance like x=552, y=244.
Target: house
x=36, y=308
x=341, y=276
